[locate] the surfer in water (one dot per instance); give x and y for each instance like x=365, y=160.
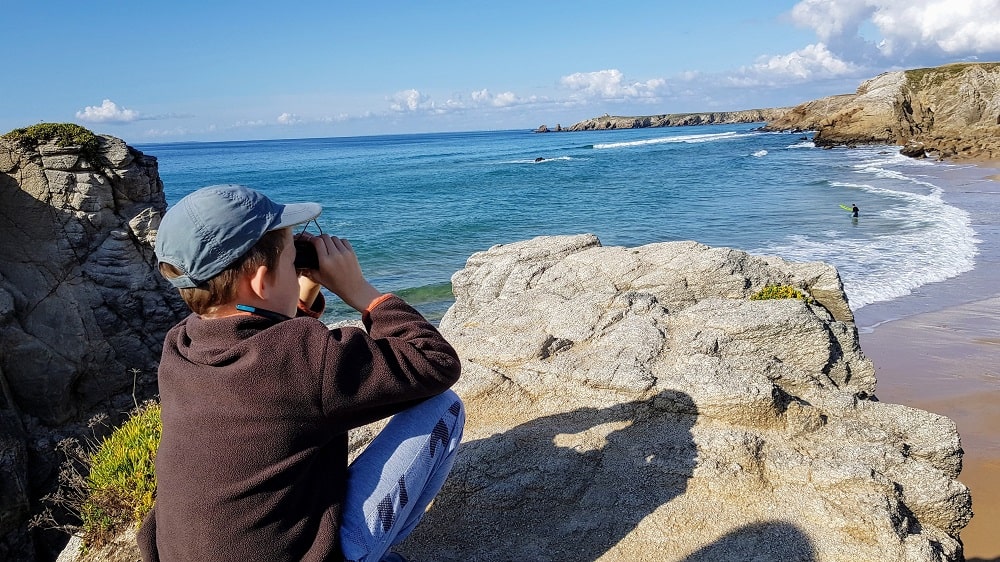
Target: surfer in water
x=854, y=210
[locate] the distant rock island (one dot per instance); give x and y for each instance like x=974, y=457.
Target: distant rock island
x=947, y=112
x=679, y=119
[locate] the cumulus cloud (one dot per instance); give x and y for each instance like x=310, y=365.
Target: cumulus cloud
x=858, y=37
x=289, y=119
x=408, y=100
x=809, y=63
x=107, y=112
x=932, y=30
x=505, y=99
x=610, y=84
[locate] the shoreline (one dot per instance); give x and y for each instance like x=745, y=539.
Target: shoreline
x=935, y=349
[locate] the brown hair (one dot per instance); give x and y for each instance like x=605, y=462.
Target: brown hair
x=221, y=289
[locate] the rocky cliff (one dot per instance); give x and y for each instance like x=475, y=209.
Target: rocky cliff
x=82, y=308
x=951, y=111
x=678, y=119
x=947, y=112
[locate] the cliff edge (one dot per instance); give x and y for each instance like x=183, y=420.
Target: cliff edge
x=948, y=112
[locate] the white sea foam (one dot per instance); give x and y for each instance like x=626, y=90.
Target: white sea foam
x=534, y=161
x=679, y=138
x=759, y=154
x=941, y=245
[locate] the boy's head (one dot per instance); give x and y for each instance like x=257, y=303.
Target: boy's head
x=211, y=236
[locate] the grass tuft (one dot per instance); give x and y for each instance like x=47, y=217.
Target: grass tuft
x=106, y=487
x=121, y=481
x=63, y=134
x=779, y=292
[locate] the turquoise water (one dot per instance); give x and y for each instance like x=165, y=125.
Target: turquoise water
x=415, y=207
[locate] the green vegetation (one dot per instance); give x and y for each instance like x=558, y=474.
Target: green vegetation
x=109, y=486
x=65, y=134
x=940, y=74
x=779, y=292
x=121, y=482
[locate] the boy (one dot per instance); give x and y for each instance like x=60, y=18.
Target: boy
x=257, y=395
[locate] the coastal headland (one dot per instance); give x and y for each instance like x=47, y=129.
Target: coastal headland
x=948, y=112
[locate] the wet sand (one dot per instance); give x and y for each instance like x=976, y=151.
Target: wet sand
x=938, y=349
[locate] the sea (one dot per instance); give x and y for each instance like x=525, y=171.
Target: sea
x=416, y=206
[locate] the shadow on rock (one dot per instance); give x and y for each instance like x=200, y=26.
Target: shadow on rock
x=562, y=487
x=760, y=542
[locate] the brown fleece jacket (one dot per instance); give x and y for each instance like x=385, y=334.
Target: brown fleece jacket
x=252, y=462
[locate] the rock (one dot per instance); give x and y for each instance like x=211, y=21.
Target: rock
x=634, y=404
x=83, y=308
x=950, y=110
x=679, y=119
x=914, y=150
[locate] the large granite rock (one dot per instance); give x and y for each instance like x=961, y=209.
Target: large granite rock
x=951, y=111
x=82, y=308
x=635, y=404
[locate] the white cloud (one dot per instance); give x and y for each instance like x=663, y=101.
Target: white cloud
x=808, y=63
x=610, y=84
x=408, y=100
x=107, y=112
x=289, y=119
x=913, y=30
x=412, y=101
x=505, y=99
x=956, y=27
x=832, y=18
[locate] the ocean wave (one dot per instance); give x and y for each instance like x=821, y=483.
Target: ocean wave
x=759, y=154
x=803, y=144
x=940, y=245
x=707, y=137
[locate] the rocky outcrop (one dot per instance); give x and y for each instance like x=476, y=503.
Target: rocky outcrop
x=83, y=309
x=635, y=404
x=951, y=112
x=679, y=119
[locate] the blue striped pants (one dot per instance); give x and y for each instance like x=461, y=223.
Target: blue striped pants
x=391, y=483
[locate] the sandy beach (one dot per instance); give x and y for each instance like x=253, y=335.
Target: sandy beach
x=938, y=349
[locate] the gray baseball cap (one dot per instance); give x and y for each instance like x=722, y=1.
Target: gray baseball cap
x=209, y=229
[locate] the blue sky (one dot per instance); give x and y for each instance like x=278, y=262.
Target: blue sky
x=226, y=70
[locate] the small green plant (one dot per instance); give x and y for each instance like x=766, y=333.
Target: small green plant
x=122, y=483
x=63, y=134
x=779, y=292
x=110, y=485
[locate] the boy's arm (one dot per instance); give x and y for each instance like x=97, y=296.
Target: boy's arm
x=402, y=360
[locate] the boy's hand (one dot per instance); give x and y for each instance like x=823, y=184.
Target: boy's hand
x=340, y=272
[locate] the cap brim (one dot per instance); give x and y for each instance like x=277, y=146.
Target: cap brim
x=297, y=213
